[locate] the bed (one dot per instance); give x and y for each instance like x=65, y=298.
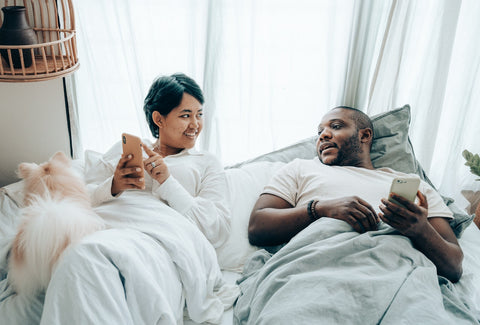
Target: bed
x=245, y=180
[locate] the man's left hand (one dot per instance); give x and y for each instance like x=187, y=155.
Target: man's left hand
x=409, y=219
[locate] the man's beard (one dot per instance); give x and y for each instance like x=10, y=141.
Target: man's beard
x=348, y=154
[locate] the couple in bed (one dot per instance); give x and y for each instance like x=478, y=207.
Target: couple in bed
x=147, y=268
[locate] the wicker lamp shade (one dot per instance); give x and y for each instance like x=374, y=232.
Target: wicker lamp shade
x=55, y=53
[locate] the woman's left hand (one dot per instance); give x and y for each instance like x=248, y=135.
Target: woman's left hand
x=155, y=165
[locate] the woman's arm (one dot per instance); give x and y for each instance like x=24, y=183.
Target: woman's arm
x=205, y=201
x=210, y=210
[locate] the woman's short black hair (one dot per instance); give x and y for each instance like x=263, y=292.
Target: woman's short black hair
x=166, y=93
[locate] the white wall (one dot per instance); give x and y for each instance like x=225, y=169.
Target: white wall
x=33, y=124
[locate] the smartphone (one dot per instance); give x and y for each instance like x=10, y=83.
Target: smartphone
x=132, y=144
x=406, y=187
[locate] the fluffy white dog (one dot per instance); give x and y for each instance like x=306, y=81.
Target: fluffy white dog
x=57, y=213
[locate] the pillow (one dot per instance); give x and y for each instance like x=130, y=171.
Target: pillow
x=304, y=149
x=391, y=145
x=244, y=186
x=9, y=212
x=460, y=220
x=8, y=227
x=15, y=192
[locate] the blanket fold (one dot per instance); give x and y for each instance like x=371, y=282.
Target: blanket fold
x=330, y=274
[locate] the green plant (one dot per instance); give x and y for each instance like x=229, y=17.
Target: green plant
x=473, y=161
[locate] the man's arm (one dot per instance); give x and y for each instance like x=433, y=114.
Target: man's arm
x=274, y=221
x=432, y=236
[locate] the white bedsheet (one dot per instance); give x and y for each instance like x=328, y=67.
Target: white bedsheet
x=470, y=281
x=227, y=318
x=154, y=227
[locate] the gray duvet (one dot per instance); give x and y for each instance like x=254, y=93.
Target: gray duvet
x=329, y=274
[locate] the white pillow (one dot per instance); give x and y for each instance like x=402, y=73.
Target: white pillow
x=15, y=192
x=244, y=187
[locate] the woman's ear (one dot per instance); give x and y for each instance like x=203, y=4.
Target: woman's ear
x=157, y=119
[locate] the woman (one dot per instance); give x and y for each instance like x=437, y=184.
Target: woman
x=174, y=113
x=156, y=258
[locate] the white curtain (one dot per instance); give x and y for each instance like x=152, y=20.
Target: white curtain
x=123, y=46
x=271, y=68
x=460, y=113
x=431, y=60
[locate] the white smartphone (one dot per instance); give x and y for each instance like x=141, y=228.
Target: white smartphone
x=133, y=145
x=406, y=187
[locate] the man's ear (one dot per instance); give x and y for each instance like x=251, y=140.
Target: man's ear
x=157, y=119
x=366, y=135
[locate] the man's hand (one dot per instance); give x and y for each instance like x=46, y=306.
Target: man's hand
x=432, y=236
x=353, y=210
x=124, y=178
x=409, y=220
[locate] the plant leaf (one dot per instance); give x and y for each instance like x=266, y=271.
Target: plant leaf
x=472, y=161
x=467, y=154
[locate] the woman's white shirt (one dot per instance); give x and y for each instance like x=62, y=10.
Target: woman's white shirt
x=196, y=188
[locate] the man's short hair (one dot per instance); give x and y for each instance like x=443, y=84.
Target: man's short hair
x=362, y=120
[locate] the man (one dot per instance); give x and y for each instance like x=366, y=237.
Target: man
x=350, y=256
x=344, y=141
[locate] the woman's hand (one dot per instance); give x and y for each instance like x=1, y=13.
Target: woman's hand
x=126, y=178
x=155, y=166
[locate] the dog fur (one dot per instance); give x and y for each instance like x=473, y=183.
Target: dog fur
x=57, y=213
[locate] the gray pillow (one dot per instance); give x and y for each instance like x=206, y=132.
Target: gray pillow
x=391, y=145
x=304, y=149
x=391, y=148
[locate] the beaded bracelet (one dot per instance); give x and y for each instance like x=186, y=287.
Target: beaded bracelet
x=311, y=210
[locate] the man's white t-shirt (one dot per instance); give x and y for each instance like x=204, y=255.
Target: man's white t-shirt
x=303, y=180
